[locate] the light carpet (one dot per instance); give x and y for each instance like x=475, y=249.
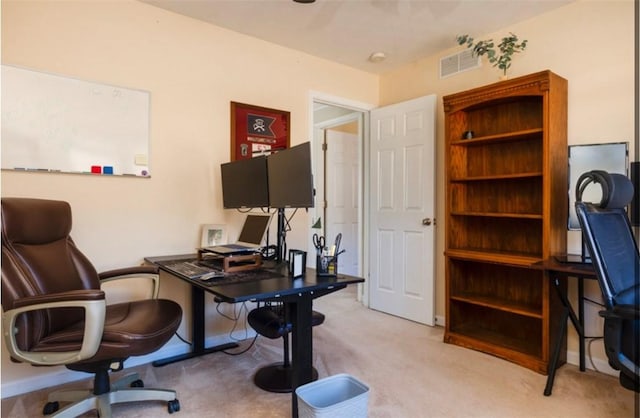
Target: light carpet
x=410, y=372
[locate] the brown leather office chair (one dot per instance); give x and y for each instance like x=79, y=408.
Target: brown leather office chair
x=56, y=314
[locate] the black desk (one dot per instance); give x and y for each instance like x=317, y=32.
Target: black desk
x=298, y=294
x=558, y=271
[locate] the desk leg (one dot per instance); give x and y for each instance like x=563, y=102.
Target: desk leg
x=581, y=320
x=551, y=371
x=197, y=332
x=301, y=345
x=577, y=322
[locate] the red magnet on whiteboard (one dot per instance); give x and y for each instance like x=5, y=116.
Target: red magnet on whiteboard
x=96, y=169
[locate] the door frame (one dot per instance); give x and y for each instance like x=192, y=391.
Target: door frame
x=363, y=215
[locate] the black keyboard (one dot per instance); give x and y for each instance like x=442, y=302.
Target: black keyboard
x=190, y=269
x=236, y=247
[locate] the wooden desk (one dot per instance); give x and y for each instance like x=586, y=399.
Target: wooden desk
x=558, y=271
x=298, y=294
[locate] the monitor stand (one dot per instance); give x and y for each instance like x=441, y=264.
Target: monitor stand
x=281, y=244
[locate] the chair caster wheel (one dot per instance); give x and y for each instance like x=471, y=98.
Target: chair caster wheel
x=173, y=406
x=137, y=384
x=50, y=408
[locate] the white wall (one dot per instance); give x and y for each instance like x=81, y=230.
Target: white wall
x=591, y=44
x=193, y=70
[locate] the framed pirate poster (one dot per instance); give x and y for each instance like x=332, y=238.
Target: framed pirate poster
x=257, y=131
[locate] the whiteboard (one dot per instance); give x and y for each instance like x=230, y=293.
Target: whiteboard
x=62, y=124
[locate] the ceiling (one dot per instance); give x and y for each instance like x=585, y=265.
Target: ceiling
x=349, y=31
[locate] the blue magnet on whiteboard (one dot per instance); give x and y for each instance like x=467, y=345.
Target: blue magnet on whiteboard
x=107, y=169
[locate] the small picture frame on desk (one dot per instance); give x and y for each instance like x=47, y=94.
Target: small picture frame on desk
x=213, y=234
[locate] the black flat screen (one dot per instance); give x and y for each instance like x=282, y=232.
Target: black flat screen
x=290, y=177
x=244, y=183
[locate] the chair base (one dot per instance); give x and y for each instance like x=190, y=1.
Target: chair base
x=630, y=382
x=84, y=401
x=277, y=378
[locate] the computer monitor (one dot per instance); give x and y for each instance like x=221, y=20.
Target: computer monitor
x=610, y=157
x=635, y=203
x=245, y=183
x=290, y=178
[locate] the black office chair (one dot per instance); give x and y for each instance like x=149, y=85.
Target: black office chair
x=56, y=314
x=271, y=321
x=610, y=242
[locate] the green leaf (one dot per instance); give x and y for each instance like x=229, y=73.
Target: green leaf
x=507, y=47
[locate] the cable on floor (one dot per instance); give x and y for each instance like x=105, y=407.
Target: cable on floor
x=236, y=320
x=182, y=339
x=592, y=339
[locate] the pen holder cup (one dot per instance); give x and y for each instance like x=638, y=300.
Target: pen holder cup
x=327, y=265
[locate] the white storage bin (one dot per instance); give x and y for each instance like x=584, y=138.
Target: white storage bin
x=336, y=396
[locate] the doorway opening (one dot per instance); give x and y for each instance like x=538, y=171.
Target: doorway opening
x=385, y=157
x=338, y=146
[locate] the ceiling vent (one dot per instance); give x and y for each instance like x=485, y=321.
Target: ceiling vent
x=457, y=63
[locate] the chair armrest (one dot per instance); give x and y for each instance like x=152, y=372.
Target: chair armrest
x=72, y=295
x=613, y=336
x=92, y=301
x=146, y=272
x=629, y=312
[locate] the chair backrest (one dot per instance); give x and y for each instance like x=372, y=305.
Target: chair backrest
x=609, y=238
x=39, y=257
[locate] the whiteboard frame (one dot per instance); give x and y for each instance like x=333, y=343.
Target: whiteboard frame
x=56, y=123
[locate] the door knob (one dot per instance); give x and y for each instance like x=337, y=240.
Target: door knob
x=426, y=221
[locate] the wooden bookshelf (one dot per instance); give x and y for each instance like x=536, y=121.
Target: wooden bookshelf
x=506, y=208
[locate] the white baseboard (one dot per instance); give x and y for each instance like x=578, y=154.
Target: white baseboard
x=57, y=376
x=439, y=321
x=602, y=366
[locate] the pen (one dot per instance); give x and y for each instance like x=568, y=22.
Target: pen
x=337, y=242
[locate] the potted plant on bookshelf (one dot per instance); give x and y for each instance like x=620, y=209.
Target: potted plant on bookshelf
x=507, y=48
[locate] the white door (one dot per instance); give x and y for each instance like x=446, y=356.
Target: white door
x=402, y=209
x=342, y=181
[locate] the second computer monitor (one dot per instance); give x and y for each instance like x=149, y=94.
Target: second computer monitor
x=290, y=178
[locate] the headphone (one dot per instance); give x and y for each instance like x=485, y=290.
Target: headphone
x=617, y=189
